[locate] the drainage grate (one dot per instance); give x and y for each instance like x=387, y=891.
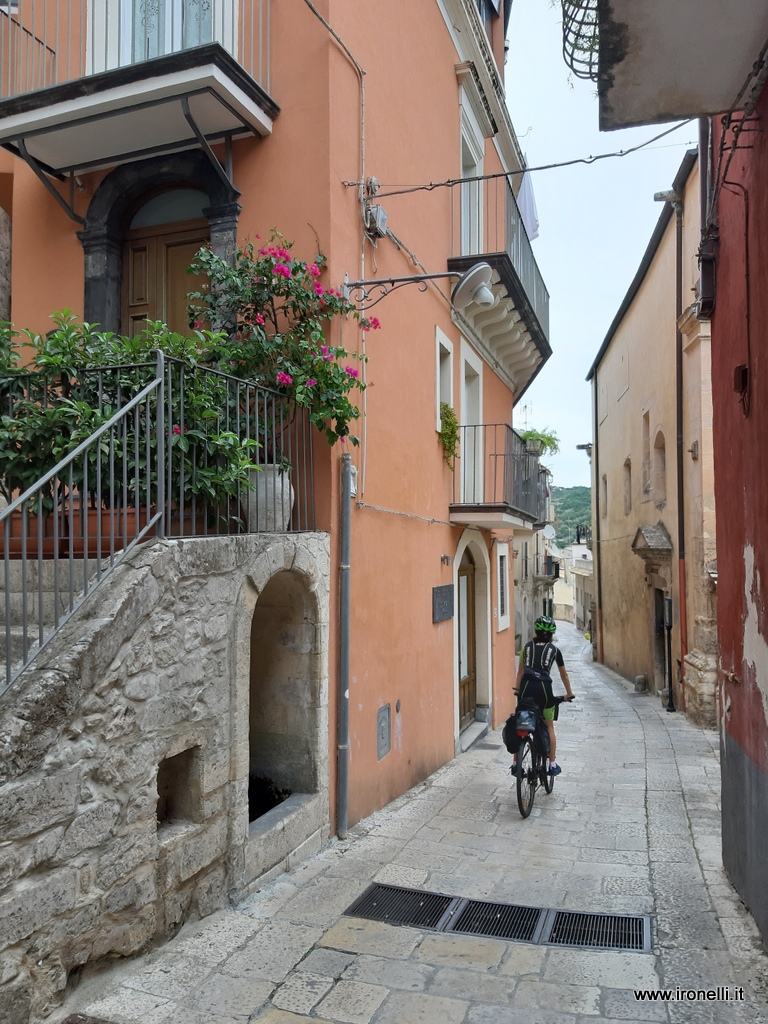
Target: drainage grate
x=400, y=906
x=418, y=909
x=600, y=931
x=498, y=920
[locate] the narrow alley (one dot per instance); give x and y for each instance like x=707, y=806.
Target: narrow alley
x=632, y=827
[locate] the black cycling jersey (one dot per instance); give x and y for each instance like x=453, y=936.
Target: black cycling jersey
x=538, y=657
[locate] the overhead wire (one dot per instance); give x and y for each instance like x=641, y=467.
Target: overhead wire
x=452, y=182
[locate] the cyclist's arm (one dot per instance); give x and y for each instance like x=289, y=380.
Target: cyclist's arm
x=566, y=682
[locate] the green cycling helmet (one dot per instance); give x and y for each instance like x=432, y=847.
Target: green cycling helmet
x=544, y=625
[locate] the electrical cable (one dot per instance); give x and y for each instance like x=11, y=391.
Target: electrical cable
x=451, y=182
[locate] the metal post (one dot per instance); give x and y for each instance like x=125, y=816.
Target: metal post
x=668, y=627
x=342, y=777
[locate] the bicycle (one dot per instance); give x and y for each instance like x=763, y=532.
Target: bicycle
x=532, y=769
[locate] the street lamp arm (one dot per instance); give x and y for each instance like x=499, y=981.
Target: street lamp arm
x=473, y=286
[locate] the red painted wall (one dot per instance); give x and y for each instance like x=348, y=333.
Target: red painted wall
x=741, y=442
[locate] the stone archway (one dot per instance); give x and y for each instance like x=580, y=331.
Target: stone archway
x=118, y=193
x=280, y=701
x=283, y=726
x=473, y=543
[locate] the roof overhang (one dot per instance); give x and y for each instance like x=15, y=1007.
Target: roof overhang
x=509, y=331
x=137, y=111
x=662, y=61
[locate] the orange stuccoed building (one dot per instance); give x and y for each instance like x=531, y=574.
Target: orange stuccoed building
x=345, y=672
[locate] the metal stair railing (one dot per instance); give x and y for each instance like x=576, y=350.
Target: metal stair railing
x=57, y=559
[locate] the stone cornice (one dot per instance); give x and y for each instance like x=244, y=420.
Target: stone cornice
x=469, y=37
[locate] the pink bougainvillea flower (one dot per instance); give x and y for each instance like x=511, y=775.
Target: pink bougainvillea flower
x=319, y=290
x=351, y=371
x=197, y=324
x=259, y=319
x=327, y=356
x=284, y=378
x=314, y=270
x=310, y=382
x=177, y=430
x=374, y=323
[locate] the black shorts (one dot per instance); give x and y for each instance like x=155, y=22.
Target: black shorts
x=540, y=692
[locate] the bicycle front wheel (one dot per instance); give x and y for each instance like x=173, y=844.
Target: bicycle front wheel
x=548, y=780
x=526, y=776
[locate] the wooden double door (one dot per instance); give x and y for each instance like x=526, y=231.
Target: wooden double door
x=155, y=278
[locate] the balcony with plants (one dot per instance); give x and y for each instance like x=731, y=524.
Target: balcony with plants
x=88, y=83
x=109, y=441
x=498, y=483
x=487, y=225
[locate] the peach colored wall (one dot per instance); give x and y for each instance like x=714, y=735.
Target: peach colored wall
x=294, y=180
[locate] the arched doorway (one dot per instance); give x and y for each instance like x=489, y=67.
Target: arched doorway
x=467, y=641
x=117, y=199
x=160, y=242
x=283, y=733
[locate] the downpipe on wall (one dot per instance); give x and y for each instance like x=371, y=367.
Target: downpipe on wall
x=342, y=720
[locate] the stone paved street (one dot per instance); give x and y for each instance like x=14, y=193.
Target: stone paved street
x=632, y=827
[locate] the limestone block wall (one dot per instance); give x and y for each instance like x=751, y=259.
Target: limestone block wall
x=124, y=757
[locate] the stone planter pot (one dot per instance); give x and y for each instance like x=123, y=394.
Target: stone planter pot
x=268, y=507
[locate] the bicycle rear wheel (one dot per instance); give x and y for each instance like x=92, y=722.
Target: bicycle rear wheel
x=526, y=776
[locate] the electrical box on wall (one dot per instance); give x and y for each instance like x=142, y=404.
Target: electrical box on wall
x=376, y=220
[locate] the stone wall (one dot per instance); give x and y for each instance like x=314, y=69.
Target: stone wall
x=124, y=756
x=5, y=265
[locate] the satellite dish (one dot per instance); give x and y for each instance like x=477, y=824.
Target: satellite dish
x=549, y=532
x=473, y=287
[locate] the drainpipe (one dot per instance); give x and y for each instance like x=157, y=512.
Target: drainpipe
x=596, y=526
x=342, y=726
x=682, y=590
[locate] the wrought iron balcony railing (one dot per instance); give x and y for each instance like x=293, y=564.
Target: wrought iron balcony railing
x=495, y=470
x=50, y=42
x=149, y=451
x=487, y=220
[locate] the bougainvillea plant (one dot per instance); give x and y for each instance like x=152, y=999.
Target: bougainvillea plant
x=270, y=319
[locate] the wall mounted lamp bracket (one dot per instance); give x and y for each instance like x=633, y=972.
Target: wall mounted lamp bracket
x=472, y=286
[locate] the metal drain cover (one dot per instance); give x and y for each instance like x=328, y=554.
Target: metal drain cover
x=600, y=931
x=498, y=920
x=401, y=906
x=438, y=912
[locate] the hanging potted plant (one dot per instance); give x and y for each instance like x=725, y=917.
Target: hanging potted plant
x=272, y=316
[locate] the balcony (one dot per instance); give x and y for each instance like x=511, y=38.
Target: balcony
x=487, y=224
x=86, y=84
x=660, y=61
x=497, y=483
x=546, y=568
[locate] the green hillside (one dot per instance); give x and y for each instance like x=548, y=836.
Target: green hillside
x=572, y=509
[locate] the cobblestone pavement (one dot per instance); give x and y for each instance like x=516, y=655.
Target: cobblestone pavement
x=632, y=827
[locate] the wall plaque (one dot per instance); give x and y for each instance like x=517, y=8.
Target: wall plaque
x=442, y=603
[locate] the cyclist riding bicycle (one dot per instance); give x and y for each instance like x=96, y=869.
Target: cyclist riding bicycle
x=534, y=681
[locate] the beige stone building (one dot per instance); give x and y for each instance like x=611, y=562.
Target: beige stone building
x=652, y=471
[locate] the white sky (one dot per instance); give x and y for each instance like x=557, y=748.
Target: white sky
x=595, y=221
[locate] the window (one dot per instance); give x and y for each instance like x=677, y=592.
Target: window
x=525, y=560
x=502, y=578
x=443, y=374
x=659, y=470
x=646, y=456
x=471, y=191
x=627, y=486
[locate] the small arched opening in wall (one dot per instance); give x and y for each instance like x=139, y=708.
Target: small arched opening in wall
x=282, y=721
x=280, y=708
